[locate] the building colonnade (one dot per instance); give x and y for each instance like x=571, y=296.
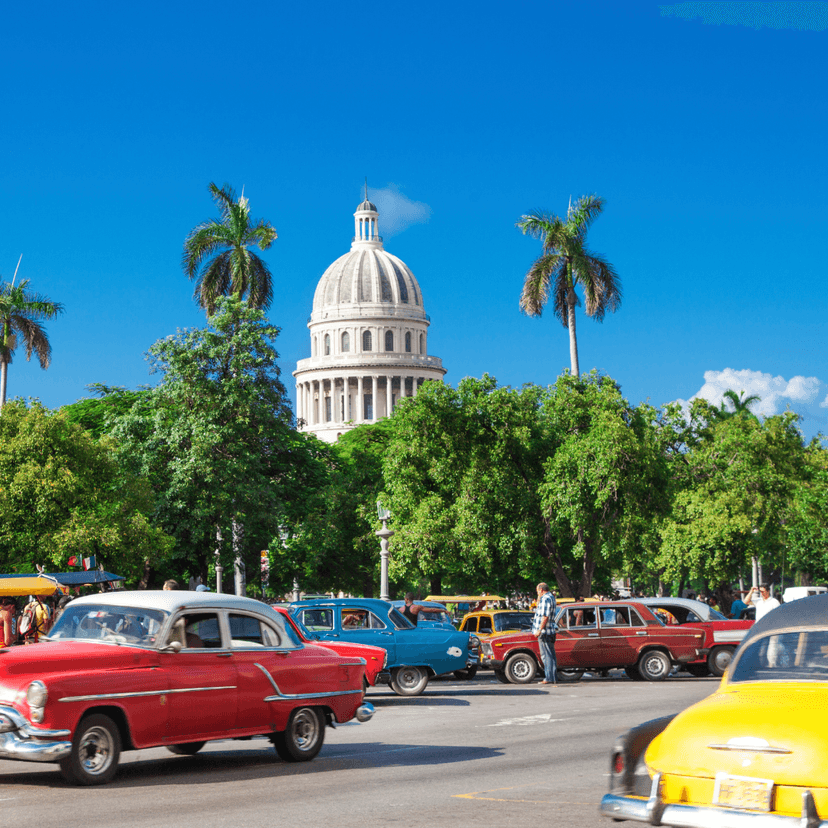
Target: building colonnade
x=352, y=398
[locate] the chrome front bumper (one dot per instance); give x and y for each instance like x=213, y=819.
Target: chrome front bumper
x=20, y=740
x=657, y=812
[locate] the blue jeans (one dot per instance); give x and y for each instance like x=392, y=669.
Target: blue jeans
x=550, y=663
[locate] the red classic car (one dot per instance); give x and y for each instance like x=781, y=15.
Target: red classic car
x=597, y=636
x=721, y=635
x=131, y=670
x=376, y=658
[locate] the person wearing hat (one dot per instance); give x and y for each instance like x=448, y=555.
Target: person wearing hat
x=202, y=588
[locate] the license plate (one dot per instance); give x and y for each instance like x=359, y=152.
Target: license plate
x=743, y=792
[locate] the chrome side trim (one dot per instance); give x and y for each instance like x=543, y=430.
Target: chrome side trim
x=279, y=695
x=99, y=696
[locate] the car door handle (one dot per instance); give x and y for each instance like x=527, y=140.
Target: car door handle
x=224, y=655
x=641, y=633
x=592, y=635
x=386, y=633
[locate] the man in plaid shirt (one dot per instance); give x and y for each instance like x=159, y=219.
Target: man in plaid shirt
x=544, y=629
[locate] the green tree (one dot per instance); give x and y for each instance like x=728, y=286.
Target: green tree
x=63, y=493
x=565, y=263
x=97, y=414
x=21, y=315
x=215, y=438
x=218, y=255
x=740, y=404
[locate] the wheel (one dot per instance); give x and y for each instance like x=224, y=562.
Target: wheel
x=409, y=681
x=96, y=749
x=521, y=668
x=697, y=670
x=187, y=749
x=632, y=672
x=569, y=674
x=654, y=665
x=466, y=675
x=719, y=660
x=303, y=738
x=501, y=677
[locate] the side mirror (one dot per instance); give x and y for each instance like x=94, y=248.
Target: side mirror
x=171, y=647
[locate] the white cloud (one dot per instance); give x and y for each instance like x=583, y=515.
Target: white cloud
x=809, y=16
x=775, y=393
x=397, y=211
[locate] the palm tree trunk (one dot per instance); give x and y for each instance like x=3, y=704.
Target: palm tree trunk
x=573, y=339
x=4, y=372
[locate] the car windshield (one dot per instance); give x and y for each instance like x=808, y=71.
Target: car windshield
x=513, y=621
x=435, y=615
x=801, y=655
x=104, y=622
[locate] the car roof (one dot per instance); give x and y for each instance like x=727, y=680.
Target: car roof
x=804, y=613
x=171, y=600
x=699, y=607
x=426, y=604
x=377, y=604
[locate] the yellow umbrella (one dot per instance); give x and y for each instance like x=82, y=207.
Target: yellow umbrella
x=38, y=585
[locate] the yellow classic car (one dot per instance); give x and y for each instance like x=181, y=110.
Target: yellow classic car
x=753, y=753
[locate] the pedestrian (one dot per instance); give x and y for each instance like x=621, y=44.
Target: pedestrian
x=737, y=606
x=544, y=629
x=172, y=584
x=763, y=601
x=411, y=610
x=8, y=609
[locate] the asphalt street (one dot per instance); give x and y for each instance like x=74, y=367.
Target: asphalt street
x=463, y=753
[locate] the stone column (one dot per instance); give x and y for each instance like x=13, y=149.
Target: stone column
x=374, y=393
x=388, y=403
x=360, y=417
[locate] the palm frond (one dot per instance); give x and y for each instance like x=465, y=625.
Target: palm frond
x=600, y=283
x=34, y=339
x=581, y=216
x=214, y=281
x=224, y=197
x=260, y=286
x=537, y=283
x=561, y=295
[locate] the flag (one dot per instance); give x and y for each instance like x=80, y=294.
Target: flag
x=73, y=561
x=89, y=563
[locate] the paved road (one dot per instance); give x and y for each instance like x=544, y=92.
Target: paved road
x=464, y=753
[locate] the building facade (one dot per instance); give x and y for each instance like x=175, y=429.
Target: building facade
x=369, y=338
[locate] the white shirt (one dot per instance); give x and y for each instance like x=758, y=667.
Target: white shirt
x=764, y=606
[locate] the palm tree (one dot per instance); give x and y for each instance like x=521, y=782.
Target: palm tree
x=217, y=254
x=565, y=263
x=21, y=312
x=741, y=404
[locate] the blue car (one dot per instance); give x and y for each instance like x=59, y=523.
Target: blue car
x=415, y=654
x=432, y=614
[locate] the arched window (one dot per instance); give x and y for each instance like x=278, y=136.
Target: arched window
x=327, y=344
x=389, y=340
x=408, y=343
x=346, y=342
x=421, y=344
x=366, y=340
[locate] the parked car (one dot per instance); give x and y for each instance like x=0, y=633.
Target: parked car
x=798, y=592
x=415, y=654
x=752, y=753
x=721, y=635
x=597, y=636
x=132, y=670
x=486, y=623
x=432, y=614
x=375, y=658
x=459, y=605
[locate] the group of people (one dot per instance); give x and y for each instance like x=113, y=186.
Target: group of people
x=27, y=623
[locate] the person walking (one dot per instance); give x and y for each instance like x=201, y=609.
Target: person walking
x=544, y=629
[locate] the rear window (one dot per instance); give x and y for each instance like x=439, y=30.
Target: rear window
x=801, y=655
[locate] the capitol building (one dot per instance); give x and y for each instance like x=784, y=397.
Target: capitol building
x=368, y=337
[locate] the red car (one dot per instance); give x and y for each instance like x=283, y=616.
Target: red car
x=721, y=635
x=376, y=658
x=132, y=670
x=597, y=636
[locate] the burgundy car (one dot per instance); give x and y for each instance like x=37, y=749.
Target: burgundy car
x=597, y=636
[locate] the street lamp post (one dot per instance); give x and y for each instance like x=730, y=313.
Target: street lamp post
x=384, y=534
x=219, y=568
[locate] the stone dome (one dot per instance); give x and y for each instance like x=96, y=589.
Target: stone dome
x=367, y=275
x=366, y=207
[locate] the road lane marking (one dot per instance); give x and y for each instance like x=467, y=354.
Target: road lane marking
x=526, y=721
x=476, y=795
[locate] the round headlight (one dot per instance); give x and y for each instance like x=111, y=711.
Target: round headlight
x=37, y=694
x=474, y=641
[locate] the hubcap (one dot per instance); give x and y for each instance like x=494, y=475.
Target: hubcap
x=520, y=669
x=96, y=750
x=305, y=729
x=655, y=667
x=408, y=678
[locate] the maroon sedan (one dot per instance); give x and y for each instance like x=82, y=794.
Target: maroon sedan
x=597, y=636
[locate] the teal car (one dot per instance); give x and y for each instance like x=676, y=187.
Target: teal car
x=415, y=654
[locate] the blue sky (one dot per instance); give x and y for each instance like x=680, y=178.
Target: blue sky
x=703, y=125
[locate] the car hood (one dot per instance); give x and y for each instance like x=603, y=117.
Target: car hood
x=775, y=731
x=70, y=657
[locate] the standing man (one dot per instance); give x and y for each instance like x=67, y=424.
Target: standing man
x=411, y=610
x=543, y=628
x=763, y=601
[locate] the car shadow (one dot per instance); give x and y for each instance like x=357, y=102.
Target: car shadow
x=228, y=763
